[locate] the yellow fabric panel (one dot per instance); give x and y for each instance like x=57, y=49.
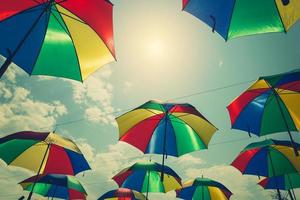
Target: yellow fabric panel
x=25, y=185
x=62, y=141
x=203, y=128
x=31, y=158
x=130, y=119
x=170, y=183
x=289, y=13
x=139, y=195
x=260, y=84
x=91, y=50
x=216, y=193
x=289, y=153
x=188, y=183
x=291, y=100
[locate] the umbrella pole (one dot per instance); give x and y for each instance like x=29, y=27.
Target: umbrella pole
x=8, y=60
x=148, y=185
x=164, y=150
x=37, y=176
x=286, y=124
x=273, y=172
x=291, y=195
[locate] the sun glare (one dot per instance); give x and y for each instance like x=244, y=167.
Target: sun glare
x=155, y=48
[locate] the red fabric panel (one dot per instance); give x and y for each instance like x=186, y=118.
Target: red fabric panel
x=58, y=162
x=184, y=3
x=120, y=178
x=140, y=135
x=12, y=7
x=243, y=159
x=263, y=183
x=185, y=109
x=98, y=14
x=293, y=86
x=243, y=100
x=74, y=194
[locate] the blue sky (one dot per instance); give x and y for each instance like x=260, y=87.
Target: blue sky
x=162, y=53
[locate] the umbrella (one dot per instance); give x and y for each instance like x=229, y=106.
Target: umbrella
x=268, y=158
x=203, y=189
x=59, y=38
x=55, y=186
x=42, y=153
x=233, y=18
x=123, y=194
x=145, y=177
x=285, y=182
x=165, y=128
x=270, y=105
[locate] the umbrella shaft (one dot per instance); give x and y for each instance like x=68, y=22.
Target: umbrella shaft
x=291, y=195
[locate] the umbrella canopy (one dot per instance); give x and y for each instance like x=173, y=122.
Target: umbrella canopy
x=233, y=18
x=203, y=189
x=122, y=194
x=165, y=128
x=59, y=38
x=284, y=182
x=55, y=186
x=270, y=105
x=43, y=153
x=268, y=158
x=145, y=177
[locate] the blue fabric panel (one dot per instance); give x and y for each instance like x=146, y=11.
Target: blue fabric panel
x=250, y=118
x=276, y=182
x=168, y=106
x=288, y=78
x=187, y=193
x=58, y=192
x=210, y=11
x=135, y=180
x=57, y=179
x=258, y=165
x=78, y=161
x=157, y=140
x=13, y=31
x=107, y=195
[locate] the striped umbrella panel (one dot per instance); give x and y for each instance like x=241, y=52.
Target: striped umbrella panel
x=122, y=194
x=233, y=18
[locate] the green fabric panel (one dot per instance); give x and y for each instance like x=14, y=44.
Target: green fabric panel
x=145, y=166
x=153, y=105
x=58, y=55
x=272, y=120
x=258, y=145
x=253, y=17
x=186, y=138
x=280, y=163
x=292, y=181
x=74, y=184
x=272, y=80
x=40, y=188
x=13, y=148
x=201, y=193
x=155, y=185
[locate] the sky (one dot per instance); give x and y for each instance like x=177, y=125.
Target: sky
x=162, y=53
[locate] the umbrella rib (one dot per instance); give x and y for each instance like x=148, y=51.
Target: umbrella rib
x=60, y=24
x=62, y=13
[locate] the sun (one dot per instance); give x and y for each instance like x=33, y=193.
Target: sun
x=155, y=48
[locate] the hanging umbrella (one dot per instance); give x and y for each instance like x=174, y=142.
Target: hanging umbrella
x=270, y=105
x=165, y=128
x=203, y=189
x=59, y=38
x=145, y=177
x=268, y=158
x=55, y=186
x=285, y=182
x=42, y=153
x=123, y=194
x=233, y=18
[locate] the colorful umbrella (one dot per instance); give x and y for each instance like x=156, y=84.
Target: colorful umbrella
x=60, y=38
x=43, y=153
x=268, y=158
x=285, y=182
x=270, y=105
x=122, y=194
x=234, y=18
x=55, y=186
x=203, y=189
x=165, y=128
x=145, y=177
